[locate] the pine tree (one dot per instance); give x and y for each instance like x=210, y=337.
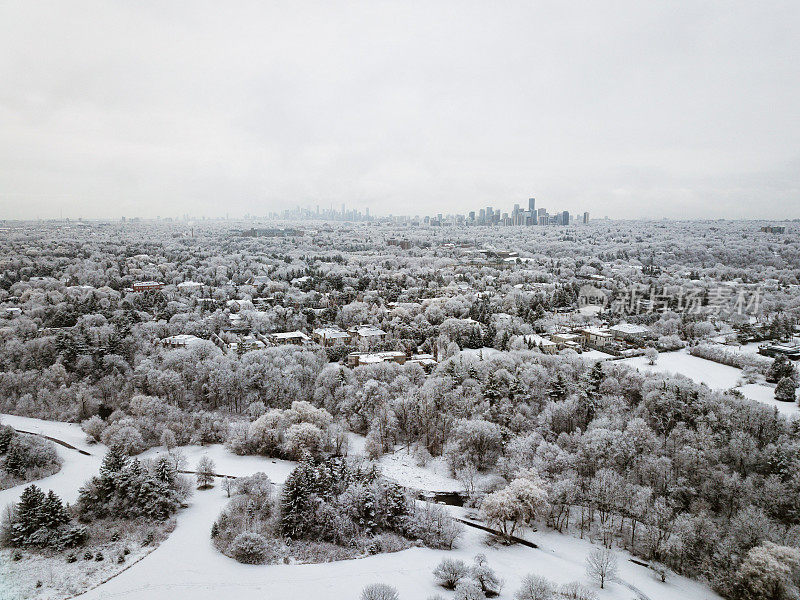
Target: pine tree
x=114, y=461
x=558, y=388
x=27, y=517
x=596, y=377
x=7, y=434
x=491, y=390
x=780, y=368
x=165, y=471
x=15, y=462
x=785, y=391
x=296, y=502
x=53, y=513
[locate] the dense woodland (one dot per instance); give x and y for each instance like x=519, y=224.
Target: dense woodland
x=674, y=472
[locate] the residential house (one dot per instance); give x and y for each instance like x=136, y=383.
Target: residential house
x=297, y=338
x=630, y=333
x=355, y=359
x=330, y=336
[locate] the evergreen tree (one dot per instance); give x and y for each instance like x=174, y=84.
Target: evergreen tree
x=296, y=501
x=27, y=516
x=7, y=433
x=780, y=368
x=596, y=377
x=785, y=391
x=114, y=461
x=53, y=513
x=491, y=391
x=15, y=462
x=558, y=388
x=165, y=471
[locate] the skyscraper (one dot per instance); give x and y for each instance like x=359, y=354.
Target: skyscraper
x=532, y=205
x=565, y=217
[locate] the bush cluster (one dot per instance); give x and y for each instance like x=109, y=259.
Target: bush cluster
x=127, y=488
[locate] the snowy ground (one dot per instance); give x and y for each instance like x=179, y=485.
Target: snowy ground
x=402, y=468
x=433, y=477
x=715, y=375
x=186, y=564
x=60, y=579
x=228, y=463
x=76, y=467
x=595, y=355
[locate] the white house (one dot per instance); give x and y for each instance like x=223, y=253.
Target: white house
x=182, y=340
x=330, y=336
x=298, y=338
x=368, y=333
x=629, y=332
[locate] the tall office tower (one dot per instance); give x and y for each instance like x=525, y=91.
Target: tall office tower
x=472, y=215
x=586, y=218
x=483, y=215
x=489, y=214
x=565, y=217
x=532, y=205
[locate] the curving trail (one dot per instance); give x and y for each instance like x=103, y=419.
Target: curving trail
x=187, y=565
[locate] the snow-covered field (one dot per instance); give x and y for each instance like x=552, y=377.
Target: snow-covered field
x=433, y=477
x=187, y=565
x=228, y=463
x=715, y=375
x=76, y=467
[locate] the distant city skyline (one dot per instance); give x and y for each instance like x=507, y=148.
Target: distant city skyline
x=678, y=110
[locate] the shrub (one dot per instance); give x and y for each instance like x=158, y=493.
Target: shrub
x=449, y=572
x=535, y=587
x=27, y=454
x=576, y=591
x=739, y=360
x=485, y=577
x=467, y=590
x=435, y=527
x=93, y=428
x=124, y=435
x=379, y=591
x=249, y=548
x=7, y=433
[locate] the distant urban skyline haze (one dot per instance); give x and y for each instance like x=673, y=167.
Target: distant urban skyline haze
x=625, y=109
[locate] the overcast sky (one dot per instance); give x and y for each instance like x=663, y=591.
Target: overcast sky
x=626, y=109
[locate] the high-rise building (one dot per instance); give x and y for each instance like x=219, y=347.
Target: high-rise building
x=472, y=215
x=532, y=205
x=586, y=218
x=565, y=217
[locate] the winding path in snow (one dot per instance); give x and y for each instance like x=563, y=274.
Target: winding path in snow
x=187, y=563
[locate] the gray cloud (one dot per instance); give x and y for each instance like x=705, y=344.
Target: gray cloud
x=626, y=109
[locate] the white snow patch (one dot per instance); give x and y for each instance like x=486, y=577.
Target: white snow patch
x=715, y=375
